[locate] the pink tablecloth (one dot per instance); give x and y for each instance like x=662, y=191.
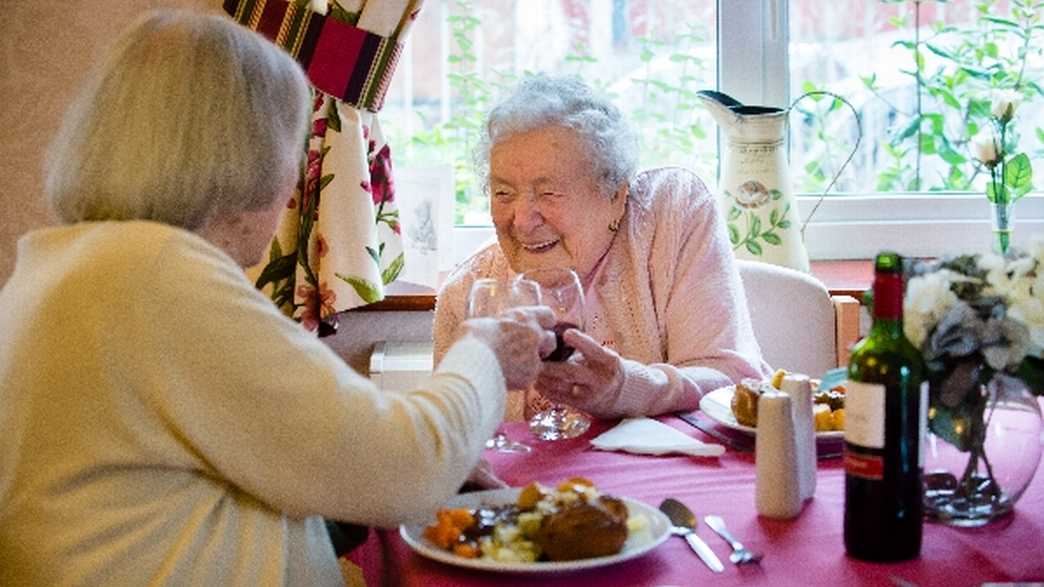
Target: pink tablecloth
x=805, y=551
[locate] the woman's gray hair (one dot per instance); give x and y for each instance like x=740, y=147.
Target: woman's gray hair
x=189, y=116
x=540, y=101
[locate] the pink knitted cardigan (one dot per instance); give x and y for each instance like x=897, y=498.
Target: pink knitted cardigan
x=666, y=296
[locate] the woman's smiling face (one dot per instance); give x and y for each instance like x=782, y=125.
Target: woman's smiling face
x=546, y=202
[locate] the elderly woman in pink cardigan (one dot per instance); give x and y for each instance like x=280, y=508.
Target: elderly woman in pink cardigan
x=666, y=315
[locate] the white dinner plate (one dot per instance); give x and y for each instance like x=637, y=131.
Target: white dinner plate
x=717, y=405
x=638, y=543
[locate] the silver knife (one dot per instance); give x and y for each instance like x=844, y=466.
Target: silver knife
x=704, y=552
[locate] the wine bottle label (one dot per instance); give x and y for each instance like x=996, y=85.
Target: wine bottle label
x=865, y=414
x=865, y=465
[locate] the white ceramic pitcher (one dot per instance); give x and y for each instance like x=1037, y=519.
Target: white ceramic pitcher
x=755, y=194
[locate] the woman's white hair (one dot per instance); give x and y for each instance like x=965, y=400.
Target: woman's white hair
x=189, y=116
x=540, y=101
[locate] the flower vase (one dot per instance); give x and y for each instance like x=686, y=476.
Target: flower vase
x=1003, y=225
x=972, y=487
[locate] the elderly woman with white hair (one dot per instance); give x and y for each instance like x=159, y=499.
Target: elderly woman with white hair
x=162, y=420
x=666, y=316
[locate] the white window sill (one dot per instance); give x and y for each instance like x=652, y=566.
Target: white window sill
x=919, y=225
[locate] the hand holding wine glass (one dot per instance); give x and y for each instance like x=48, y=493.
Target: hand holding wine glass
x=491, y=298
x=589, y=380
x=561, y=291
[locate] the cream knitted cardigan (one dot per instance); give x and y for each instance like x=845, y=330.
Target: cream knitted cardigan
x=163, y=422
x=667, y=296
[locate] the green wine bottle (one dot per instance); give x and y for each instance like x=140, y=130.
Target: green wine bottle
x=885, y=422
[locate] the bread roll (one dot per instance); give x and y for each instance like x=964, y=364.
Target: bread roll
x=745, y=402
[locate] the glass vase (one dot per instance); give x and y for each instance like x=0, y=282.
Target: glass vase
x=971, y=488
x=1003, y=216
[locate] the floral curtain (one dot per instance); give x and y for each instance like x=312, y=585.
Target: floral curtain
x=338, y=243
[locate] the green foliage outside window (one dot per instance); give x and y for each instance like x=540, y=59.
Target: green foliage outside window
x=663, y=108
x=951, y=69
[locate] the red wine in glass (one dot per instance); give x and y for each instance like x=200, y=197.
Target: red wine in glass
x=562, y=350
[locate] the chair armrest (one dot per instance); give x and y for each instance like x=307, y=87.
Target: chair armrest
x=846, y=326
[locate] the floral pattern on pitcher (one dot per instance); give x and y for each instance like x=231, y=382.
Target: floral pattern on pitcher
x=746, y=230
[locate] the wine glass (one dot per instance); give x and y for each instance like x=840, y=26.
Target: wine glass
x=491, y=297
x=561, y=291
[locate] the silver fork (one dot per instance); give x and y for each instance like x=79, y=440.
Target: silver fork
x=741, y=555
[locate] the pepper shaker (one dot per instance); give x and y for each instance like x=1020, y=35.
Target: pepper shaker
x=778, y=479
x=799, y=389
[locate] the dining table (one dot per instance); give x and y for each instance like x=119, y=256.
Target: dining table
x=806, y=550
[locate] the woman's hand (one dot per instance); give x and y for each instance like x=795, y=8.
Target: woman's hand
x=591, y=376
x=519, y=337
x=483, y=477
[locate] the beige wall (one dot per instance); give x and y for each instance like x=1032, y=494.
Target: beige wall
x=46, y=49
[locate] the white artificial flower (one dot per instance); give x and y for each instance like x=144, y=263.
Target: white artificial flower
x=985, y=147
x=1036, y=249
x=995, y=267
x=1020, y=282
x=928, y=298
x=1003, y=276
x=1004, y=103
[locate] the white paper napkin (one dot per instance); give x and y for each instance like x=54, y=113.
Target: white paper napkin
x=645, y=436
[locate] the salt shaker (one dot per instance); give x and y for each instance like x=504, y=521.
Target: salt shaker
x=799, y=389
x=778, y=481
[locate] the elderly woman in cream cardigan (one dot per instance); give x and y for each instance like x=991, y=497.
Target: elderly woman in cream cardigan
x=666, y=316
x=162, y=421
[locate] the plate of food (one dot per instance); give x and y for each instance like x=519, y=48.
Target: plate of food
x=735, y=406
x=538, y=529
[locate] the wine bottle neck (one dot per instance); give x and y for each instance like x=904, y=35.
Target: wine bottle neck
x=886, y=328
x=888, y=297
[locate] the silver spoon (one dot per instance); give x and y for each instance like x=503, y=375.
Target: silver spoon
x=740, y=554
x=683, y=523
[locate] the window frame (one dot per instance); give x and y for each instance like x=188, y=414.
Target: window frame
x=753, y=40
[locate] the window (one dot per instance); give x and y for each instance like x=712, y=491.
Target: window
x=652, y=55
x=919, y=73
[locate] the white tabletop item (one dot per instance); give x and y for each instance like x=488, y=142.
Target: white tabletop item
x=799, y=388
x=785, y=449
x=645, y=436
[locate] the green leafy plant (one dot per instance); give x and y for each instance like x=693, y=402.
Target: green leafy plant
x=472, y=95
x=954, y=70
x=1011, y=175
x=666, y=112
x=663, y=107
x=816, y=117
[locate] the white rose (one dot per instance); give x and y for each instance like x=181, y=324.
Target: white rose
x=991, y=263
x=928, y=298
x=1004, y=103
x=984, y=146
